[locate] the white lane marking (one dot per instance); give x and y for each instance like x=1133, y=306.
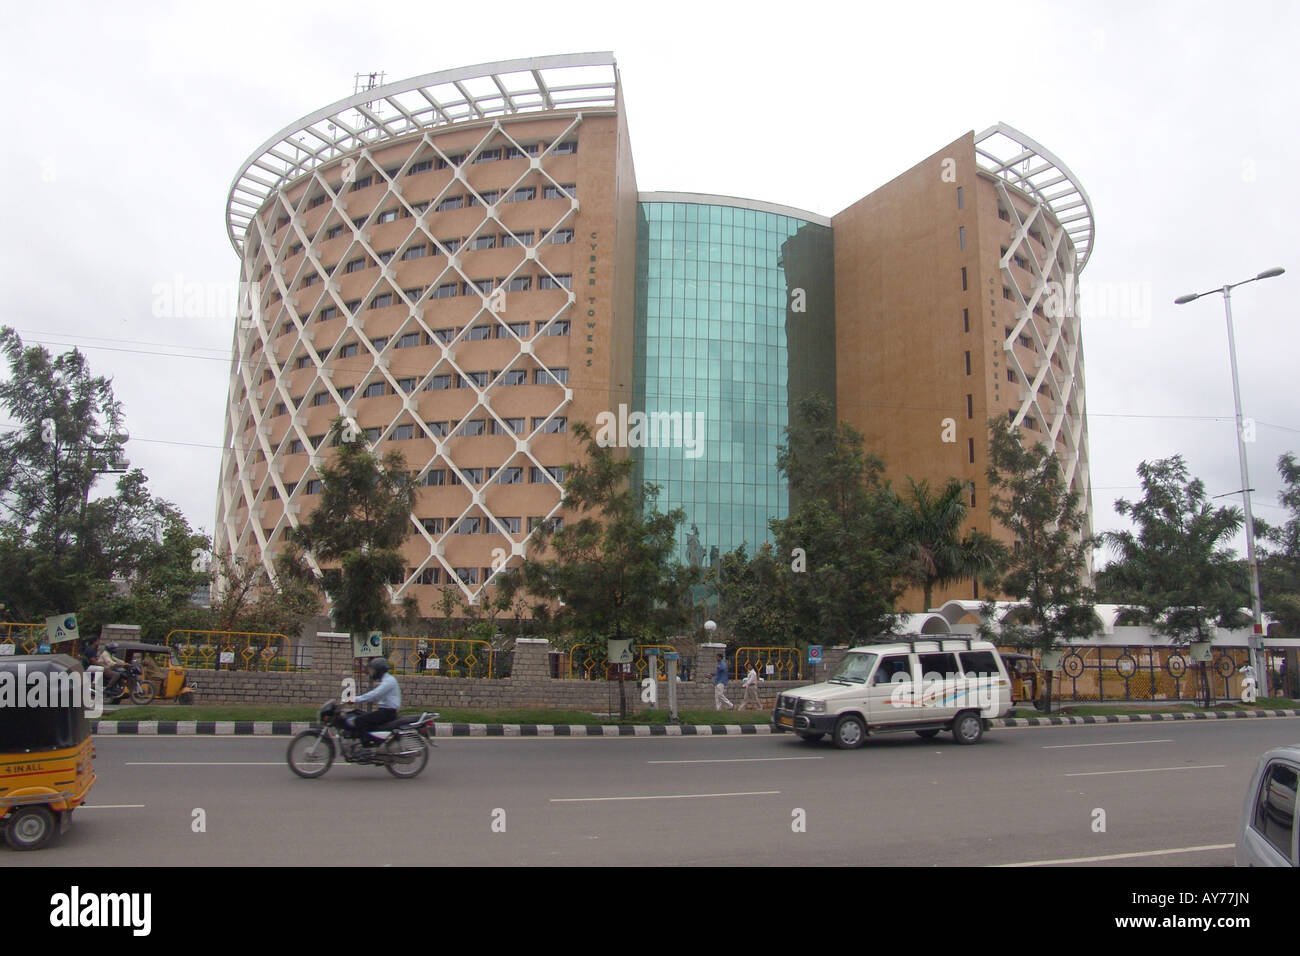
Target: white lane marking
x=202, y=763
x=1113, y=743
x=1126, y=856
x=1103, y=773
x=736, y=760
x=666, y=796
x=111, y=806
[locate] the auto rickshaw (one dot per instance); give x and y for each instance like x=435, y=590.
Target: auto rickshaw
x=160, y=667
x=1024, y=678
x=46, y=752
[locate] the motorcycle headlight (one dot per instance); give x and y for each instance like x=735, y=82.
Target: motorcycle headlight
x=814, y=706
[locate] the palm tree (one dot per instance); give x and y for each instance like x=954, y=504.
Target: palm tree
x=932, y=541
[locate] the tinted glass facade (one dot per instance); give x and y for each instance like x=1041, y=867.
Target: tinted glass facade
x=734, y=323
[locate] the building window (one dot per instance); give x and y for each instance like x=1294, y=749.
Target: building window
x=520, y=284
x=967, y=363
x=303, y=361
x=407, y=341
x=319, y=399
x=965, y=319
x=1006, y=292
x=552, y=426
x=388, y=215
x=348, y=350
x=446, y=290
x=286, y=328
x=538, y=476
x=415, y=252
x=566, y=148
x=961, y=237
x=314, y=487
x=1004, y=215
x=518, y=239
x=522, y=194
x=472, y=428
x=478, y=333
x=380, y=301
x=310, y=281
x=296, y=447
x=488, y=156
x=433, y=525
x=280, y=409
x=554, y=192
x=375, y=389
x=407, y=385
x=329, y=312
x=404, y=432
x=356, y=265
x=438, y=429
x=334, y=231
x=451, y=202
x=353, y=306
x=379, y=343
x=444, y=335
x=429, y=576
x=559, y=327
x=960, y=203
x=318, y=201
x=423, y=166
x=520, y=152
x=559, y=376
x=346, y=392
x=970, y=406
x=518, y=328
x=963, y=278
x=438, y=383
x=512, y=426
x=484, y=242
x=970, y=446
x=467, y=575
x=451, y=245
x=563, y=281
x=363, y=182
x=510, y=476
x=1011, y=375
x=512, y=525
x=561, y=236
x=515, y=376
x=486, y=198
x=455, y=159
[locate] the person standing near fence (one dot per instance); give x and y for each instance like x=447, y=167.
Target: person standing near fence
x=720, y=685
x=751, y=690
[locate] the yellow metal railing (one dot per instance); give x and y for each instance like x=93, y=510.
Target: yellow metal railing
x=232, y=650
x=587, y=662
x=786, y=662
x=441, y=657
x=23, y=638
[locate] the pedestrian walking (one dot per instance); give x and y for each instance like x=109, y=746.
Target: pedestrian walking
x=751, y=690
x=720, y=686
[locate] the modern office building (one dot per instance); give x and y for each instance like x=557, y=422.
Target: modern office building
x=461, y=265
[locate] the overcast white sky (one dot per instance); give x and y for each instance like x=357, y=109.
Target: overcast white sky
x=128, y=121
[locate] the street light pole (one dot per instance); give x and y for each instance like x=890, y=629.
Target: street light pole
x=1257, y=613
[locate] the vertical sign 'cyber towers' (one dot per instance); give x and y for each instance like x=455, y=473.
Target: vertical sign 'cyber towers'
x=448, y=262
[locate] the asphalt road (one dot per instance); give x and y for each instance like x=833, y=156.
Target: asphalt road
x=1171, y=794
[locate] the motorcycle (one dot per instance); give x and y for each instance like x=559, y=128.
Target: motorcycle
x=401, y=746
x=131, y=684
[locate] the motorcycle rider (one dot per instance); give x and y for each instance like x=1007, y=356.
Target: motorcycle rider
x=386, y=694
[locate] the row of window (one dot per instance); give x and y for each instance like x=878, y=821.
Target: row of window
x=510, y=475
x=440, y=382
x=446, y=290
x=486, y=197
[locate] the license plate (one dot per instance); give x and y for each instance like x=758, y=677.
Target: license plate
x=786, y=721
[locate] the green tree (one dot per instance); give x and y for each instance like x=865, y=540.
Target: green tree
x=357, y=530
x=843, y=538
x=1278, y=549
x=1046, y=567
x=614, y=574
x=1176, y=569
x=939, y=553
x=249, y=599
x=753, y=596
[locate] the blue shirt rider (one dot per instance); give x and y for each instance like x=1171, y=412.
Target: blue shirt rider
x=387, y=694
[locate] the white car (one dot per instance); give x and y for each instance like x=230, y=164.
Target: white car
x=924, y=686
x=1269, y=826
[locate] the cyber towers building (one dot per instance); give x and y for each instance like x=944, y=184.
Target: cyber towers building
x=462, y=265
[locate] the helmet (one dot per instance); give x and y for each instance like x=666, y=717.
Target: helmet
x=378, y=668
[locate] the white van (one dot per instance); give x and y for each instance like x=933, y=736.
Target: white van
x=925, y=686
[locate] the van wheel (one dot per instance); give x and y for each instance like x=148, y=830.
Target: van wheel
x=850, y=733
x=927, y=734
x=30, y=828
x=967, y=728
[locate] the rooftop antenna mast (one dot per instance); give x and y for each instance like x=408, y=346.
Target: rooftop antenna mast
x=363, y=82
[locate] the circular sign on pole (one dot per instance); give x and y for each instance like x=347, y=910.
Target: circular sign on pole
x=814, y=653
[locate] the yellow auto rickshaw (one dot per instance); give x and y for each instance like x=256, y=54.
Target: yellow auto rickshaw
x=1024, y=678
x=46, y=752
x=160, y=667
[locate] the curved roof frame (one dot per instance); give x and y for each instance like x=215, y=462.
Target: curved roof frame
x=577, y=81
x=1010, y=155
